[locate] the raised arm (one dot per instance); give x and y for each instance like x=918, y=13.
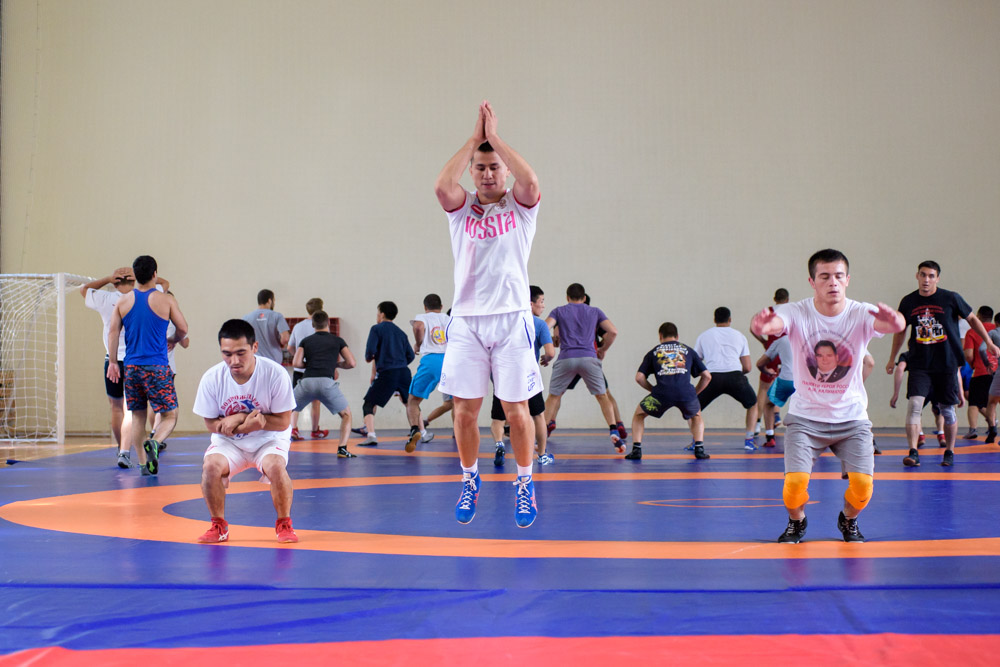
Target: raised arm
x=449, y=191
x=526, y=190
x=766, y=323
x=888, y=319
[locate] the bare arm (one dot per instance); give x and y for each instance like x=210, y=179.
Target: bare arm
x=548, y=354
x=766, y=323
x=703, y=381
x=897, y=342
x=745, y=363
x=526, y=190
x=897, y=382
x=225, y=425
x=298, y=361
x=418, y=335
x=610, y=333
x=114, y=331
x=888, y=319
x=980, y=330
x=258, y=421
x=347, y=359
x=164, y=283
x=449, y=191
x=283, y=338
x=643, y=381
x=177, y=317
x=763, y=361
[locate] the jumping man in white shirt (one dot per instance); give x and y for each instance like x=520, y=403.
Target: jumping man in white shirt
x=491, y=330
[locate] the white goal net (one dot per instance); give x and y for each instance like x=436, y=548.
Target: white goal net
x=32, y=355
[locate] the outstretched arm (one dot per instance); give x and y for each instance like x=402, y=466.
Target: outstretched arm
x=526, y=190
x=766, y=323
x=449, y=191
x=980, y=330
x=124, y=272
x=888, y=319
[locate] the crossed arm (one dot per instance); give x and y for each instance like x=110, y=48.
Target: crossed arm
x=249, y=422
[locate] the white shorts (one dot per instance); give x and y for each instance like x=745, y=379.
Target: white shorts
x=502, y=345
x=240, y=459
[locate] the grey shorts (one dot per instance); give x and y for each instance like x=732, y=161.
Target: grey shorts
x=995, y=385
x=806, y=439
x=325, y=390
x=589, y=368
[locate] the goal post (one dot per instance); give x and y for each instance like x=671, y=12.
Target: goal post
x=33, y=355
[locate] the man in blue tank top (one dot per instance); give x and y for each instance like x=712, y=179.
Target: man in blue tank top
x=145, y=313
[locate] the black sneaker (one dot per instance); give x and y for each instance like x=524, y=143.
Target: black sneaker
x=160, y=447
x=635, y=454
x=794, y=531
x=912, y=459
x=878, y=452
x=498, y=457
x=506, y=430
x=700, y=453
x=412, y=439
x=948, y=459
x=991, y=435
x=849, y=529
x=342, y=453
x=151, y=447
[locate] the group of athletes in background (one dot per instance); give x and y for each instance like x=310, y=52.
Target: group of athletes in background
x=494, y=336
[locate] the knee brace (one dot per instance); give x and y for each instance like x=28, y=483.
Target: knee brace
x=914, y=406
x=795, y=492
x=368, y=408
x=948, y=412
x=859, y=490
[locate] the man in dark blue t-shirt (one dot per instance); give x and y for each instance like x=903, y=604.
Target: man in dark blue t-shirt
x=935, y=352
x=390, y=349
x=674, y=364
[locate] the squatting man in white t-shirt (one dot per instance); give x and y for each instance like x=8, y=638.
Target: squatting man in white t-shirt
x=492, y=328
x=247, y=403
x=828, y=410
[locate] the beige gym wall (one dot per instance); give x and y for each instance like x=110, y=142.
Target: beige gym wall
x=691, y=154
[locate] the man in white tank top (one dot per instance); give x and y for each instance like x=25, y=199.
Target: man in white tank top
x=491, y=330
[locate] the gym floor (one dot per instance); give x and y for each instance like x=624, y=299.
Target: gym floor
x=668, y=558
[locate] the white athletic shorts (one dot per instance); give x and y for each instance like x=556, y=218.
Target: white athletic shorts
x=240, y=459
x=480, y=345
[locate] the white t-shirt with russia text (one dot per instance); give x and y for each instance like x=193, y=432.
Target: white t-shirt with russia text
x=435, y=325
x=827, y=359
x=491, y=244
x=269, y=390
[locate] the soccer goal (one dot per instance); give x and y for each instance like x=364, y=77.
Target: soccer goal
x=33, y=355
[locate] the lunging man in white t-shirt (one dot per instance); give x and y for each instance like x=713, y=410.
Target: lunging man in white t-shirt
x=247, y=403
x=491, y=330
x=829, y=409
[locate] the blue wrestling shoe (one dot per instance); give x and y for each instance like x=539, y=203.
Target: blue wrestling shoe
x=546, y=459
x=465, y=510
x=690, y=448
x=749, y=445
x=525, y=509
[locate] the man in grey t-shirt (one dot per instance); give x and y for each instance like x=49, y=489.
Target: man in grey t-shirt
x=270, y=327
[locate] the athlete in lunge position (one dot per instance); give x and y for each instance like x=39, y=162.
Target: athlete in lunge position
x=491, y=329
x=829, y=413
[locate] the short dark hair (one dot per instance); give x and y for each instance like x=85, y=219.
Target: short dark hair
x=722, y=315
x=996, y=319
x=825, y=257
x=144, y=267
x=264, y=296
x=432, y=302
x=824, y=343
x=236, y=329
x=780, y=295
x=929, y=264
x=536, y=292
x=668, y=330
x=985, y=313
x=314, y=304
x=389, y=309
x=485, y=147
x=320, y=320
x=575, y=292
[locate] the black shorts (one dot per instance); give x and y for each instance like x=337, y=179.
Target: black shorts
x=979, y=390
x=536, y=406
x=941, y=388
x=114, y=389
x=387, y=383
x=296, y=376
x=655, y=406
x=572, y=383
x=733, y=383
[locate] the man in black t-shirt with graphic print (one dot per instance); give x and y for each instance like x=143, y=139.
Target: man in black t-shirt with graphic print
x=935, y=352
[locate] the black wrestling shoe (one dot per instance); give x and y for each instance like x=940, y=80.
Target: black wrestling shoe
x=912, y=459
x=794, y=532
x=849, y=529
x=635, y=454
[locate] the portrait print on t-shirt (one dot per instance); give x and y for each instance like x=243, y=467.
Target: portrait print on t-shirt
x=828, y=357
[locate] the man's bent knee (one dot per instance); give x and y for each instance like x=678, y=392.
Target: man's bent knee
x=796, y=490
x=915, y=406
x=859, y=490
x=948, y=412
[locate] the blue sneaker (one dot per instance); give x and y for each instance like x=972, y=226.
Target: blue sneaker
x=690, y=448
x=525, y=509
x=546, y=459
x=749, y=445
x=465, y=510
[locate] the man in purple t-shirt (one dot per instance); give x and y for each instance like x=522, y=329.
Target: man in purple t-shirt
x=576, y=323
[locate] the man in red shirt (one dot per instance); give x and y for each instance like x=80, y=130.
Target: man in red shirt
x=982, y=377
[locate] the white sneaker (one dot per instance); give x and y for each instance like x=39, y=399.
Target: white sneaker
x=369, y=441
x=426, y=436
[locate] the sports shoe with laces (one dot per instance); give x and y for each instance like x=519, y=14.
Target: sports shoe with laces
x=991, y=435
x=362, y=431
x=849, y=529
x=971, y=435
x=794, y=531
x=426, y=436
x=320, y=434
x=499, y=454
x=949, y=458
x=342, y=453
x=621, y=431
x=700, y=453
x=921, y=440
x=749, y=445
x=690, y=448
x=412, y=439
x=777, y=419
x=912, y=459
x=942, y=442
x=546, y=459
x=878, y=452
x=465, y=510
x=283, y=529
x=295, y=435
x=770, y=441
x=551, y=426
x=525, y=509
x=369, y=441
x=617, y=442
x=160, y=447
x=635, y=454
x=124, y=460
x=151, y=447
x=217, y=532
